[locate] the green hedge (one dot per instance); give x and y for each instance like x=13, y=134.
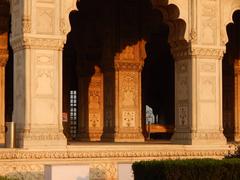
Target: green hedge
x=197, y=169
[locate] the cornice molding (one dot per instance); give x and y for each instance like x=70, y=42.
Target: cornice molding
x=113, y=153
x=36, y=43
x=186, y=52
x=128, y=66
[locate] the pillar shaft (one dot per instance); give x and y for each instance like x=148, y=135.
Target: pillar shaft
x=122, y=96
x=237, y=100
x=37, y=44
x=90, y=103
x=198, y=96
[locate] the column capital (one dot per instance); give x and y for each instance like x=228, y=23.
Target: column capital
x=53, y=43
x=128, y=66
x=187, y=51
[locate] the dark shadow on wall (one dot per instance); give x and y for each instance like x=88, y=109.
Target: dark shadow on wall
x=9, y=81
x=231, y=56
x=100, y=30
x=5, y=30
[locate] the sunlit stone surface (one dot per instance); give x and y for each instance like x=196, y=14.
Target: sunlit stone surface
x=181, y=58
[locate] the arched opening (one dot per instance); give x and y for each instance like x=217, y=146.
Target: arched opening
x=109, y=40
x=231, y=80
x=158, y=82
x=9, y=81
x=6, y=70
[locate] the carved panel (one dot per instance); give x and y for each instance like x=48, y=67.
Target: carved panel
x=181, y=80
x=207, y=113
x=182, y=87
x=207, y=88
x=95, y=106
x=128, y=91
x=103, y=171
x=45, y=20
x=94, y=120
x=43, y=59
x=129, y=118
x=208, y=67
x=27, y=25
x=44, y=82
x=209, y=13
x=183, y=115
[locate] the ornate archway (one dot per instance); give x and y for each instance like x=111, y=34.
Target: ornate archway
x=231, y=80
x=35, y=46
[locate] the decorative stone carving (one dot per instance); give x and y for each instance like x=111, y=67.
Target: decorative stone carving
x=29, y=164
x=129, y=89
x=209, y=67
x=37, y=70
x=36, y=43
x=187, y=51
x=183, y=115
x=209, y=12
x=129, y=118
x=27, y=25
x=63, y=26
x=45, y=20
x=207, y=88
x=103, y=171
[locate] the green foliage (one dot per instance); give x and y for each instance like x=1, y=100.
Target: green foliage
x=4, y=178
x=193, y=169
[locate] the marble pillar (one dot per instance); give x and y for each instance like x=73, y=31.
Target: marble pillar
x=37, y=42
x=122, y=96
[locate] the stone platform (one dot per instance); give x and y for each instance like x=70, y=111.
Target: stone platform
x=102, y=158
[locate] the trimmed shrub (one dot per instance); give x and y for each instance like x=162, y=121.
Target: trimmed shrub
x=194, y=169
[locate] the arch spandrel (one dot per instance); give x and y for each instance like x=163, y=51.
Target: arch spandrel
x=228, y=7
x=66, y=8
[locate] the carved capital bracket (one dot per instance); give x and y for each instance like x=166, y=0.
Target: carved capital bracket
x=36, y=43
x=128, y=66
x=188, y=51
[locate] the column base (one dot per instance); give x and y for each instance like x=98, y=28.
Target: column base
x=96, y=136
x=123, y=137
x=199, y=138
x=41, y=140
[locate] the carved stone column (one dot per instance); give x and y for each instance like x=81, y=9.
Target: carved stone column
x=95, y=106
x=122, y=92
x=198, y=96
x=237, y=100
x=37, y=44
x=4, y=19
x=90, y=105
x=198, y=77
